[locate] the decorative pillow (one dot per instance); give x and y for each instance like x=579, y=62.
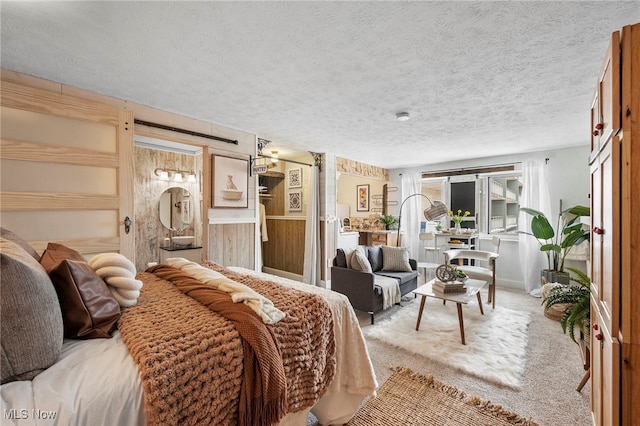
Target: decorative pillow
x=31, y=322
x=359, y=261
x=375, y=258
x=341, y=258
x=396, y=259
x=348, y=254
x=89, y=310
x=5, y=233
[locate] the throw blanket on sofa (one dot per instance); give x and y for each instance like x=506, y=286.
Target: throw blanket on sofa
x=263, y=391
x=191, y=359
x=390, y=290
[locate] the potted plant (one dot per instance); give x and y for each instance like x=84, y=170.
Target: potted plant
x=557, y=244
x=388, y=220
x=578, y=299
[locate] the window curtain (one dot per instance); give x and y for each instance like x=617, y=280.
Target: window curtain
x=535, y=195
x=311, y=271
x=411, y=213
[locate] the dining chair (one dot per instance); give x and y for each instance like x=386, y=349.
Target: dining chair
x=475, y=271
x=432, y=255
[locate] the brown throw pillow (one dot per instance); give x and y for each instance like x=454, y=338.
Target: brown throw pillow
x=30, y=318
x=89, y=310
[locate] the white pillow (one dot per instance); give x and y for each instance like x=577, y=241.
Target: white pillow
x=359, y=261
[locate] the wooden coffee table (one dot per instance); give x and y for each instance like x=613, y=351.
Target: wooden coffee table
x=473, y=289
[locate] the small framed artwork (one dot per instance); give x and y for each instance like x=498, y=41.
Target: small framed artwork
x=230, y=182
x=295, y=201
x=295, y=178
x=362, y=198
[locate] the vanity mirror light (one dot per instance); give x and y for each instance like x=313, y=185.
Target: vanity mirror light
x=175, y=209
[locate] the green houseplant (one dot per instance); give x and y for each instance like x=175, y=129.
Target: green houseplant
x=578, y=297
x=557, y=244
x=388, y=220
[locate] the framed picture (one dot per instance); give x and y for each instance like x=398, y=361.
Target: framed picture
x=362, y=198
x=230, y=182
x=295, y=178
x=295, y=201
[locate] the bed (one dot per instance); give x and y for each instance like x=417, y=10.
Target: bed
x=171, y=358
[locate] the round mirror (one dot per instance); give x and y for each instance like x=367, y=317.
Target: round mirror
x=175, y=209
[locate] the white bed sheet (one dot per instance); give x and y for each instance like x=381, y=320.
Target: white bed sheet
x=96, y=382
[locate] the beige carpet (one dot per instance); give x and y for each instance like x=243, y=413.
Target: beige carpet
x=551, y=374
x=409, y=398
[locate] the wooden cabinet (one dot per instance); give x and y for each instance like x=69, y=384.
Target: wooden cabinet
x=193, y=254
x=615, y=236
x=605, y=108
x=378, y=238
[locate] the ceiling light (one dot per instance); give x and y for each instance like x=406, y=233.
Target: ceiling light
x=402, y=116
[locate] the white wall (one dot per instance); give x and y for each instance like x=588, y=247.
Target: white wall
x=569, y=174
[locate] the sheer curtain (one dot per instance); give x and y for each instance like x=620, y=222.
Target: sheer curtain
x=411, y=213
x=535, y=195
x=311, y=271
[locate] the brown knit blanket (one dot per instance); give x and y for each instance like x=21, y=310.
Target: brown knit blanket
x=264, y=388
x=191, y=359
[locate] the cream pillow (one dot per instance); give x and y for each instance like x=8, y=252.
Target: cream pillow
x=395, y=259
x=359, y=261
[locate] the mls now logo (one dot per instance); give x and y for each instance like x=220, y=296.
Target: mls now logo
x=23, y=414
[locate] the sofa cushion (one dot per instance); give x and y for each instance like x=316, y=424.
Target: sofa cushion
x=359, y=261
x=375, y=258
x=31, y=321
x=402, y=277
x=395, y=259
x=89, y=309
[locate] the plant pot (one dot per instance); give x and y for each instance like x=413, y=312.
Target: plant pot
x=554, y=276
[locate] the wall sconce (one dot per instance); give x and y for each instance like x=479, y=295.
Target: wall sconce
x=274, y=156
x=162, y=174
x=175, y=175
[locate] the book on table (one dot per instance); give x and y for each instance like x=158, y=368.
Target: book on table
x=449, y=287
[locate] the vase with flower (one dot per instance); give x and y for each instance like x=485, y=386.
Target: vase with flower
x=458, y=218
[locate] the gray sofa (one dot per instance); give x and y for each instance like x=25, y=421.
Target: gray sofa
x=360, y=286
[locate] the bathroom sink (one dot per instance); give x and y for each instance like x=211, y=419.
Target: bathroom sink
x=182, y=240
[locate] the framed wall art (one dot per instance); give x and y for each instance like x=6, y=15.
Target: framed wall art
x=230, y=182
x=295, y=201
x=362, y=194
x=295, y=178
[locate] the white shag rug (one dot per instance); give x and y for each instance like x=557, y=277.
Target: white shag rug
x=496, y=342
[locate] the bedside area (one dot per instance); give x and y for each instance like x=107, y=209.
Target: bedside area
x=193, y=254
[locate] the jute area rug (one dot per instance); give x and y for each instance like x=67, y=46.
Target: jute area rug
x=410, y=398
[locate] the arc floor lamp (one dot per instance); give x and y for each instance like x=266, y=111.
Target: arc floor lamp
x=435, y=211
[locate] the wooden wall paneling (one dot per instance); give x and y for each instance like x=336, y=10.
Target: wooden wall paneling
x=232, y=244
x=285, y=249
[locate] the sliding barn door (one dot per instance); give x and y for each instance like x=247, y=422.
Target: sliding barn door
x=66, y=170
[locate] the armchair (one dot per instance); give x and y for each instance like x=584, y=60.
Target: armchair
x=487, y=274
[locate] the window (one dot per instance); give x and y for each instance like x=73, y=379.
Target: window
x=493, y=199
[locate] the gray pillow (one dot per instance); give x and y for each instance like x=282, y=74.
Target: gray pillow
x=9, y=235
x=396, y=259
x=341, y=258
x=375, y=258
x=31, y=320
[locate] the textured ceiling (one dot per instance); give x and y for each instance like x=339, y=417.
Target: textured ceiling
x=478, y=78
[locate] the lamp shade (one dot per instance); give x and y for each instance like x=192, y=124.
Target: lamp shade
x=435, y=211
